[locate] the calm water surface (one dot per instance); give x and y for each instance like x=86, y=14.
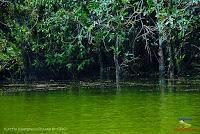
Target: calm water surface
x=98, y=111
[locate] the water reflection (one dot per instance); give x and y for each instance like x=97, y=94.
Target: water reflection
x=140, y=110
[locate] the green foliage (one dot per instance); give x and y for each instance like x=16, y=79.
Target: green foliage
x=10, y=55
x=67, y=35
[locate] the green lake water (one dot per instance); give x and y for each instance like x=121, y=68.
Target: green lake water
x=133, y=110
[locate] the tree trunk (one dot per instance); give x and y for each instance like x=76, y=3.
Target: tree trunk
x=161, y=61
x=171, y=62
x=117, y=67
x=100, y=64
x=161, y=39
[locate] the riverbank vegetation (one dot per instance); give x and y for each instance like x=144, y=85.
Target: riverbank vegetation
x=104, y=39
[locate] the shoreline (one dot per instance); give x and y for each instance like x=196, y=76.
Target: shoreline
x=176, y=85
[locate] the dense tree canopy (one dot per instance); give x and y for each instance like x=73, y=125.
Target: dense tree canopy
x=69, y=39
